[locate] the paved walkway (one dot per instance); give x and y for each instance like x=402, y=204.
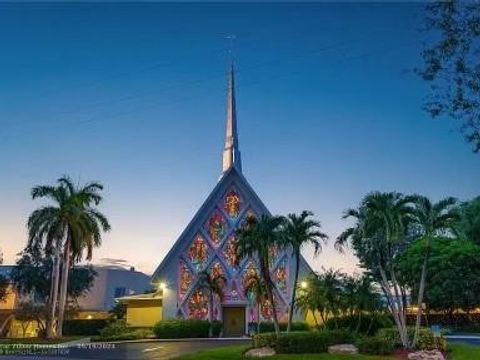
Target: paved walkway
x=466, y=339
x=152, y=350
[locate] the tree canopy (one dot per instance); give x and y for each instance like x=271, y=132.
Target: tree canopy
x=33, y=272
x=452, y=65
x=453, y=276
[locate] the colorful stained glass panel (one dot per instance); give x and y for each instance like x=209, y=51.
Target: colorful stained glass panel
x=198, y=305
x=217, y=227
x=185, y=279
x=230, y=252
x=232, y=204
x=198, y=252
x=281, y=276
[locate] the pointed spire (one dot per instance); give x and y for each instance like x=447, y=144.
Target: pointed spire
x=231, y=153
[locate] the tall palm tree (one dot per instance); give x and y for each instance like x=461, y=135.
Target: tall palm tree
x=213, y=286
x=255, y=289
x=298, y=231
x=432, y=219
x=377, y=237
x=254, y=240
x=67, y=228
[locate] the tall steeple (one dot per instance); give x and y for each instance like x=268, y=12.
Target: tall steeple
x=231, y=153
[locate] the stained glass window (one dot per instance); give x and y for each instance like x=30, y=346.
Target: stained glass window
x=186, y=278
x=217, y=227
x=266, y=309
x=232, y=204
x=198, y=252
x=272, y=255
x=249, y=214
x=249, y=273
x=198, y=305
x=218, y=271
x=230, y=251
x=281, y=276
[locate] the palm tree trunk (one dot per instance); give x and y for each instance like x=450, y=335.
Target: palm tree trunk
x=63, y=287
x=269, y=287
x=210, y=315
x=294, y=290
x=421, y=291
x=258, y=317
x=53, y=295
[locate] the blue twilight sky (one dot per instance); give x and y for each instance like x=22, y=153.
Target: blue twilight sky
x=133, y=95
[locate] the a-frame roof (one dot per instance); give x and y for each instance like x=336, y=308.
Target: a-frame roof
x=229, y=178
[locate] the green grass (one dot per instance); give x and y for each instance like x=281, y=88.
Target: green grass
x=236, y=353
x=464, y=351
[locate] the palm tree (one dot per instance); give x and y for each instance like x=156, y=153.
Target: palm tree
x=254, y=240
x=432, y=219
x=298, y=231
x=377, y=237
x=255, y=289
x=213, y=286
x=67, y=228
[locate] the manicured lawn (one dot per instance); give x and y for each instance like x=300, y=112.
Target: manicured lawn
x=464, y=352
x=235, y=353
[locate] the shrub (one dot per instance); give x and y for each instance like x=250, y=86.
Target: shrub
x=366, y=324
x=170, y=329
x=426, y=340
x=303, y=341
x=83, y=327
x=130, y=334
x=375, y=345
x=115, y=328
x=311, y=341
x=267, y=326
x=264, y=339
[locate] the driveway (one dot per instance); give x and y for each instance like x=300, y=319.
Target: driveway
x=155, y=350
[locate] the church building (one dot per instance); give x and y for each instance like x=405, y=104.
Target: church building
x=209, y=243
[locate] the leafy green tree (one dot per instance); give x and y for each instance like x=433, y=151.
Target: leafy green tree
x=452, y=65
x=453, y=276
x=431, y=219
x=213, y=286
x=377, y=237
x=469, y=224
x=68, y=227
x=33, y=271
x=255, y=290
x=311, y=299
x=254, y=240
x=27, y=312
x=297, y=232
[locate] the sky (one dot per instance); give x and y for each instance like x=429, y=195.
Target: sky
x=133, y=95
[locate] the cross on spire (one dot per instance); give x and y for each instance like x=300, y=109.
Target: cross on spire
x=231, y=153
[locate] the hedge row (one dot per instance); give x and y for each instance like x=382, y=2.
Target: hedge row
x=426, y=340
x=171, y=329
x=80, y=327
x=366, y=324
x=267, y=326
x=303, y=341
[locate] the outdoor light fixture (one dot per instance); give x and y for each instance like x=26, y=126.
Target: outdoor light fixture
x=162, y=286
x=303, y=284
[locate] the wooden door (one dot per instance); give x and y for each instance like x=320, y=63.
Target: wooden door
x=233, y=321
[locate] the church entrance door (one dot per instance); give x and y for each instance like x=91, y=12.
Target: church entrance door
x=233, y=321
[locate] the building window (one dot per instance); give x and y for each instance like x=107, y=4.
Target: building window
x=120, y=291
